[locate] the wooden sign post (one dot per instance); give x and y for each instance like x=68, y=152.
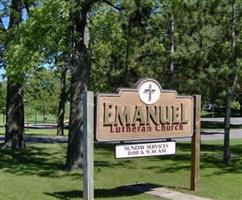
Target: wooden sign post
x=88, y=139
x=196, y=140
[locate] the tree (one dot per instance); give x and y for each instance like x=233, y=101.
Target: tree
x=36, y=41
x=62, y=99
x=3, y=98
x=80, y=71
x=232, y=84
x=14, y=136
x=127, y=44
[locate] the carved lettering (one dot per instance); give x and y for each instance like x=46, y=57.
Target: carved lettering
x=122, y=116
x=138, y=116
x=152, y=115
x=165, y=114
x=107, y=114
x=183, y=114
x=176, y=116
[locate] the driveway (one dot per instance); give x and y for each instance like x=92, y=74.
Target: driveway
x=233, y=121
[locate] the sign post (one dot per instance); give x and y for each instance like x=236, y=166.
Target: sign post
x=88, y=138
x=196, y=140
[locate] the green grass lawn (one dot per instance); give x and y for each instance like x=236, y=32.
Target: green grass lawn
x=43, y=132
x=37, y=132
x=38, y=173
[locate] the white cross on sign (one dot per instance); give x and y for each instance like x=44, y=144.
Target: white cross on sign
x=149, y=91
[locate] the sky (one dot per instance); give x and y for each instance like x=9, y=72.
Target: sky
x=5, y=20
x=5, y=23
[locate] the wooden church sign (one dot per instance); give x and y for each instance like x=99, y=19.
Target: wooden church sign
x=144, y=112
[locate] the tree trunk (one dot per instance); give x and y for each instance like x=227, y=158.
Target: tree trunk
x=61, y=107
x=171, y=69
x=14, y=132
x=231, y=89
x=172, y=41
x=228, y=102
x=81, y=64
x=14, y=136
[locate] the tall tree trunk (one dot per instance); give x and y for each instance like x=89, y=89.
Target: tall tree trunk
x=127, y=37
x=14, y=132
x=14, y=136
x=81, y=64
x=172, y=50
x=230, y=92
x=172, y=41
x=61, y=107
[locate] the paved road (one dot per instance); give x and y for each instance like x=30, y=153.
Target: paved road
x=233, y=121
x=208, y=134
x=219, y=134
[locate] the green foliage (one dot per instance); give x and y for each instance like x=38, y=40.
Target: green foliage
x=235, y=105
x=39, y=38
x=123, y=45
x=132, y=40
x=42, y=92
x=135, y=42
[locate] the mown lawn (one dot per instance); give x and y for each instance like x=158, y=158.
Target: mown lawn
x=38, y=132
x=38, y=173
x=43, y=132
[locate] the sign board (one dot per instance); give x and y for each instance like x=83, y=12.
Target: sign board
x=145, y=149
x=143, y=112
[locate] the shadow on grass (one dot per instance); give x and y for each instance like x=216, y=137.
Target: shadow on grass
x=123, y=191
x=48, y=160
x=99, y=193
x=211, y=157
x=41, y=160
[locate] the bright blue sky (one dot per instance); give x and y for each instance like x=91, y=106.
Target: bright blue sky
x=5, y=21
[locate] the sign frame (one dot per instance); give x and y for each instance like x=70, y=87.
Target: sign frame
x=135, y=89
